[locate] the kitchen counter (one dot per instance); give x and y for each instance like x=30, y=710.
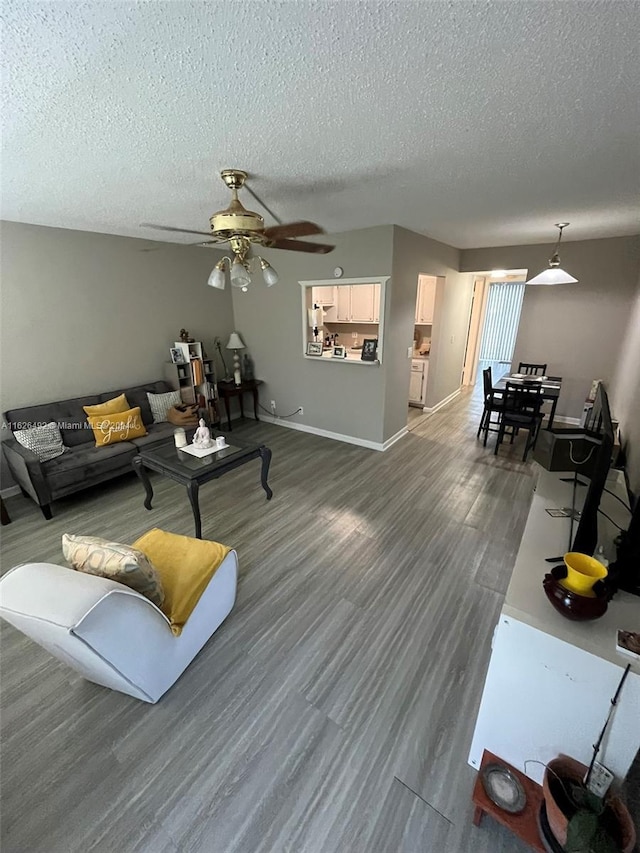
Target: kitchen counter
x=353, y=357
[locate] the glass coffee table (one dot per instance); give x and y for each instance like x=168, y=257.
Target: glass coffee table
x=192, y=471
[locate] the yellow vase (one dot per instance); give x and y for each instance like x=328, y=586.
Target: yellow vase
x=582, y=572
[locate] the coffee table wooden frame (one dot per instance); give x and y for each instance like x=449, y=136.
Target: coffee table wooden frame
x=193, y=479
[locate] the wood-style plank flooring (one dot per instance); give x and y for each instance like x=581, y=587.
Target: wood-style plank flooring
x=333, y=710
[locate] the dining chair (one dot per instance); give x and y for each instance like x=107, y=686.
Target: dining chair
x=520, y=409
x=492, y=404
x=532, y=369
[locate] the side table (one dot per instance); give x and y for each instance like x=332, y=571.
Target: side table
x=524, y=824
x=227, y=390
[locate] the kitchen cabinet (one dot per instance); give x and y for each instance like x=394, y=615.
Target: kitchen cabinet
x=343, y=304
x=323, y=295
x=362, y=303
x=418, y=381
x=426, y=301
x=357, y=303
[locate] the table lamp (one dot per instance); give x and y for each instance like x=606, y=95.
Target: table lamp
x=235, y=343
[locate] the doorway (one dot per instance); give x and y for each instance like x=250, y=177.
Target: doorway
x=493, y=325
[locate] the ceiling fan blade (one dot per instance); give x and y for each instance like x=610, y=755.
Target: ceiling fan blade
x=300, y=246
x=293, y=229
x=170, y=228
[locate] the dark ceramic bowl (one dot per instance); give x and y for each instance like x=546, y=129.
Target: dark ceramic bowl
x=580, y=608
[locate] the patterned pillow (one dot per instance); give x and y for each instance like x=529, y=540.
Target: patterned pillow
x=117, y=562
x=45, y=441
x=161, y=403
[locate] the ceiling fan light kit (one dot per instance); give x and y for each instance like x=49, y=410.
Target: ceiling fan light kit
x=554, y=275
x=242, y=228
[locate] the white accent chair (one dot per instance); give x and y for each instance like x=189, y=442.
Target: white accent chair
x=109, y=633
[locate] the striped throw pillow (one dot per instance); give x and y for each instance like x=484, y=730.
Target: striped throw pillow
x=45, y=441
x=161, y=403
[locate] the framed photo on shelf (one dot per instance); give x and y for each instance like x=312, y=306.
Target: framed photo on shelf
x=314, y=348
x=369, y=349
x=339, y=352
x=176, y=355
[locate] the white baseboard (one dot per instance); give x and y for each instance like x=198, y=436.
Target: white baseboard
x=336, y=436
x=391, y=441
x=9, y=492
x=563, y=420
x=442, y=403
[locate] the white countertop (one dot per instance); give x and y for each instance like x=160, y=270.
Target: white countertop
x=545, y=536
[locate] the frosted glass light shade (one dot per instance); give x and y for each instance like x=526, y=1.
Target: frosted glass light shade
x=270, y=276
x=553, y=275
x=235, y=341
x=216, y=279
x=239, y=276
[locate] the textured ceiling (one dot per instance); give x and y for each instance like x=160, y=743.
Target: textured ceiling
x=477, y=123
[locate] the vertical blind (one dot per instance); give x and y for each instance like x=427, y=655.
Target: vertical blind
x=501, y=321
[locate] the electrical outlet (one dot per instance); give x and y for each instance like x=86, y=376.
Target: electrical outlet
x=409, y=352
x=301, y=410
x=354, y=334
x=273, y=407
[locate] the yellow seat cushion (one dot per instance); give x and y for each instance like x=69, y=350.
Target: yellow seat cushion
x=185, y=566
x=119, y=426
x=117, y=404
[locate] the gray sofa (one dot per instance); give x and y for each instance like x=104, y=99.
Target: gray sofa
x=83, y=464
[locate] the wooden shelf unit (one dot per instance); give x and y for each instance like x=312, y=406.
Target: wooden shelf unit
x=196, y=379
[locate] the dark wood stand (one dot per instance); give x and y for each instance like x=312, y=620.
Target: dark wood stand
x=227, y=390
x=525, y=824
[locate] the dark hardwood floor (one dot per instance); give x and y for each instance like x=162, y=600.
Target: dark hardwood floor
x=333, y=710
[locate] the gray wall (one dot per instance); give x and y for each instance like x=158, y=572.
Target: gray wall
x=576, y=328
x=414, y=254
x=85, y=313
x=342, y=398
x=625, y=394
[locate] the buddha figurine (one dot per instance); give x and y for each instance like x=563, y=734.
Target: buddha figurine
x=202, y=436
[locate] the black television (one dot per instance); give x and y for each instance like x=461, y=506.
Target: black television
x=599, y=428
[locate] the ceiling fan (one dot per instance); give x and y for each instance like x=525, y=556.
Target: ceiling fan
x=241, y=228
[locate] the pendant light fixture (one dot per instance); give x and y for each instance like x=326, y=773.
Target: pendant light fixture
x=554, y=275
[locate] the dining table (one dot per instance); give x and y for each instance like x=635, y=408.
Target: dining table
x=551, y=387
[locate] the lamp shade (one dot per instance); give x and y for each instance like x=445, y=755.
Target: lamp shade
x=553, y=275
x=235, y=341
x=216, y=279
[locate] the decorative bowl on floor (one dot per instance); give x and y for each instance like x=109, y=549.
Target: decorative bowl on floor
x=580, y=608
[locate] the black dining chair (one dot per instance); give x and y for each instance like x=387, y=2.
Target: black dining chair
x=520, y=409
x=492, y=404
x=532, y=369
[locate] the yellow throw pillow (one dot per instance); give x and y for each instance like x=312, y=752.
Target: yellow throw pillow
x=185, y=567
x=118, y=404
x=120, y=426
x=117, y=562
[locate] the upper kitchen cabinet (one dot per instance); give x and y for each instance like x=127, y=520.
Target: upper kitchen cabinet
x=426, y=301
x=324, y=295
x=363, y=303
x=354, y=303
